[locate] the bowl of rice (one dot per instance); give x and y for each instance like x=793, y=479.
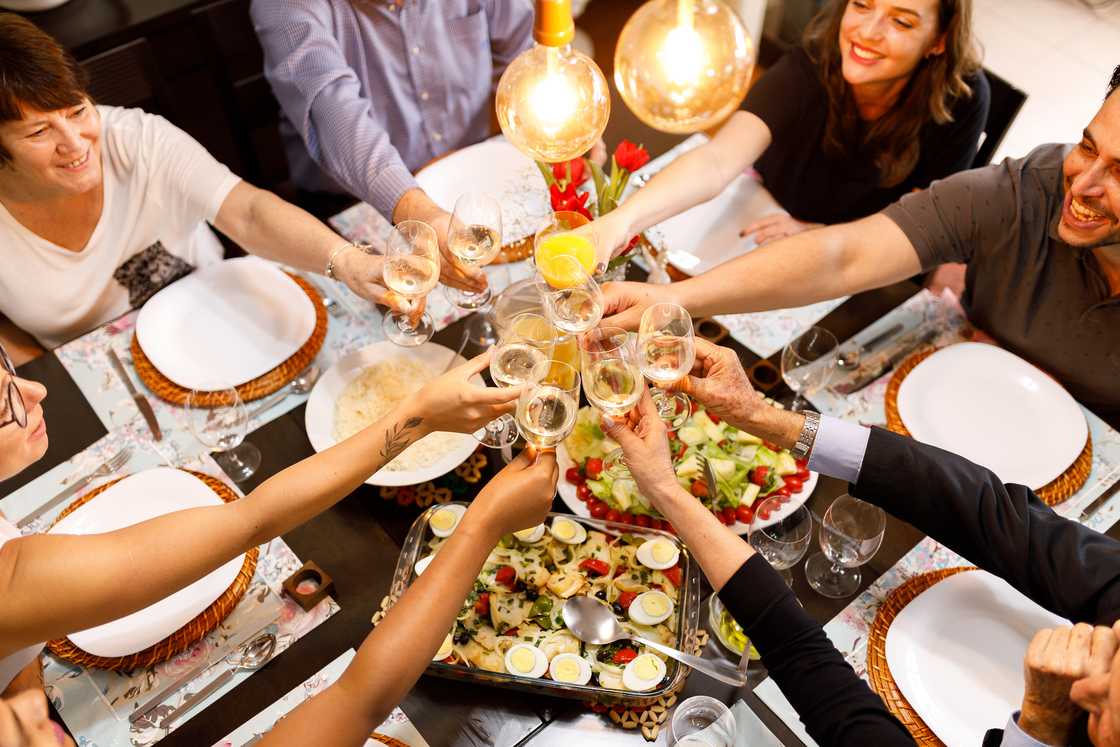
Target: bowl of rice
x=364, y=386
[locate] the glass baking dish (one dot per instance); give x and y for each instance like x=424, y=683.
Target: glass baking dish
x=688, y=616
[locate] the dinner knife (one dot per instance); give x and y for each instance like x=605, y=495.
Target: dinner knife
x=861, y=380
x=142, y=404
x=1100, y=500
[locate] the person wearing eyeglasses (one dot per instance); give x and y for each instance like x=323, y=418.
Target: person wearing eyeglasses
x=1072, y=674
x=181, y=547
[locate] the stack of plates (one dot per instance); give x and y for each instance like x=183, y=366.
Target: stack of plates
x=225, y=325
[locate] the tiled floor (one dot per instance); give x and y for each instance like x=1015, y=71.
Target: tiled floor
x=1060, y=52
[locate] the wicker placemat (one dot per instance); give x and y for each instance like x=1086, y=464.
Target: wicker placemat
x=1052, y=493
x=259, y=387
x=186, y=636
x=515, y=251
x=391, y=741
x=877, y=671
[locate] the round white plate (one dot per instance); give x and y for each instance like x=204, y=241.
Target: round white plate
x=956, y=652
x=137, y=498
x=319, y=416
x=225, y=324
x=567, y=491
x=499, y=169
x=995, y=409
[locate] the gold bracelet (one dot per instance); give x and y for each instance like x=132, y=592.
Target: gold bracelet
x=329, y=272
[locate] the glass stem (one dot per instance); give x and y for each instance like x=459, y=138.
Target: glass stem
x=836, y=569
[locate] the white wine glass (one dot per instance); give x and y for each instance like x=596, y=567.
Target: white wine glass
x=474, y=239
x=851, y=533
x=546, y=410
x=573, y=299
x=666, y=352
x=411, y=270
x=783, y=542
x=220, y=422
x=522, y=356
x=808, y=362
x=612, y=381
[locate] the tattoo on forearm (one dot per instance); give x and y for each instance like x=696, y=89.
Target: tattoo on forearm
x=398, y=438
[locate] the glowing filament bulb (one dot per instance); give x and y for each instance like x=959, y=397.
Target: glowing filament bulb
x=683, y=57
x=552, y=99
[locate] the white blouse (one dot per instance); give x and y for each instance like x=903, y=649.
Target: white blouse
x=13, y=664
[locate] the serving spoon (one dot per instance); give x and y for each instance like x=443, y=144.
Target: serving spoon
x=591, y=621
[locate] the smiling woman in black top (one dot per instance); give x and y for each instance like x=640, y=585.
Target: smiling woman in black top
x=883, y=97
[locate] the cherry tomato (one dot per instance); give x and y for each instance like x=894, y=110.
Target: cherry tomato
x=643, y=521
x=626, y=598
x=793, y=483
x=506, y=576
x=764, y=513
x=597, y=508
x=727, y=516
x=669, y=528
x=744, y=514
x=782, y=491
x=802, y=474
x=573, y=476
x=630, y=519
x=613, y=515
x=680, y=451
x=625, y=656
x=583, y=492
x=674, y=575
x=482, y=604
x=802, y=463
x=714, y=418
x=593, y=468
x=759, y=474
x=594, y=567
x=692, y=406
x=699, y=489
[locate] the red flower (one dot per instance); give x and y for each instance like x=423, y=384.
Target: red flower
x=569, y=199
x=579, y=172
x=630, y=157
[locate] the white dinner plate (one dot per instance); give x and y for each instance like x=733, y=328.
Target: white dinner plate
x=319, y=415
x=496, y=168
x=956, y=652
x=579, y=508
x=995, y=409
x=708, y=235
x=225, y=324
x=137, y=498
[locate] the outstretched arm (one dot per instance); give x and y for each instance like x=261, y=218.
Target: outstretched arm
x=131, y=568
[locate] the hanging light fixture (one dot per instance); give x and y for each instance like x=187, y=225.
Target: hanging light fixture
x=552, y=101
x=683, y=65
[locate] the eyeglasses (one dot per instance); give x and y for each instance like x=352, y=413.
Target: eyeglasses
x=12, y=407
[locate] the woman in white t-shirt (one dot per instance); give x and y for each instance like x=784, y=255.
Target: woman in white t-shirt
x=181, y=547
x=100, y=207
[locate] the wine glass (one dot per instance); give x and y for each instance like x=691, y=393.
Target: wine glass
x=221, y=428
x=666, y=352
x=411, y=270
x=808, y=362
x=612, y=381
x=783, y=542
x=851, y=533
x=522, y=356
x=546, y=410
x=572, y=298
x=474, y=238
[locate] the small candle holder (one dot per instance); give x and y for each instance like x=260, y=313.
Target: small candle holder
x=764, y=375
x=309, y=585
x=711, y=330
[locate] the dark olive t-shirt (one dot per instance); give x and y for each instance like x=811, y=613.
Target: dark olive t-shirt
x=1036, y=295
x=791, y=99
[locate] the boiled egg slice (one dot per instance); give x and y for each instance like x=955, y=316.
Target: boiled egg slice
x=445, y=649
x=444, y=520
x=650, y=608
x=529, y=536
x=423, y=563
x=658, y=554
x=526, y=660
x=643, y=673
x=570, y=669
x=567, y=531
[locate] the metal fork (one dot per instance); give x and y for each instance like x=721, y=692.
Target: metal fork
x=111, y=465
x=709, y=476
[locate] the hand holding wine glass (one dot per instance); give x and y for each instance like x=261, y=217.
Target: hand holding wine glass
x=572, y=298
x=522, y=356
x=851, y=533
x=546, y=411
x=612, y=381
x=474, y=239
x=666, y=353
x=411, y=271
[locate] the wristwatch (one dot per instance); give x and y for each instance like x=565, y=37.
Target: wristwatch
x=808, y=435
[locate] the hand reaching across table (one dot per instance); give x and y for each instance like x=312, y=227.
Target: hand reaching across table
x=778, y=226
x=453, y=403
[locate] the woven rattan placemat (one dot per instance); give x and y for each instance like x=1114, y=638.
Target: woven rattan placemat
x=1052, y=493
x=259, y=387
x=186, y=636
x=877, y=671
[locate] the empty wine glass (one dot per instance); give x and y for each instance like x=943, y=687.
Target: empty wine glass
x=411, y=270
x=546, y=410
x=808, y=362
x=572, y=298
x=474, y=238
x=666, y=352
x=219, y=420
x=851, y=533
x=783, y=542
x=523, y=355
x=612, y=381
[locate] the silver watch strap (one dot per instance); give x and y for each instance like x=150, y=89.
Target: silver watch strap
x=807, y=436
